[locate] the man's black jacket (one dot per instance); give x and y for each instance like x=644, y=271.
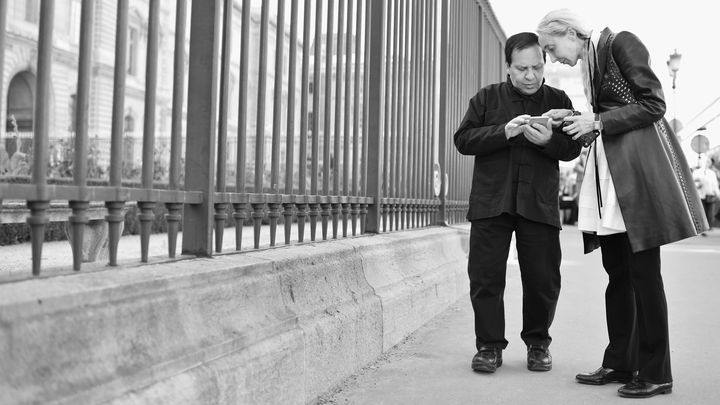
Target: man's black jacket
x=513, y=176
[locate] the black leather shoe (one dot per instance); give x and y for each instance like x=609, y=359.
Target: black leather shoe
x=487, y=359
x=538, y=358
x=642, y=389
x=603, y=376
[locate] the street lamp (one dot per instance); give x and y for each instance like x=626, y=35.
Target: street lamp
x=673, y=66
x=700, y=144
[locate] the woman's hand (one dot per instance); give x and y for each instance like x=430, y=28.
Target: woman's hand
x=579, y=124
x=556, y=116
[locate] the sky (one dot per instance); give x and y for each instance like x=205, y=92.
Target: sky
x=690, y=26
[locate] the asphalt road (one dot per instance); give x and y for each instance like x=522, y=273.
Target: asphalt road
x=432, y=366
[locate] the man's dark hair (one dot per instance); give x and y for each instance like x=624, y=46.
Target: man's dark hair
x=520, y=41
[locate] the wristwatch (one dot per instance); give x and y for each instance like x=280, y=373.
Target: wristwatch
x=597, y=124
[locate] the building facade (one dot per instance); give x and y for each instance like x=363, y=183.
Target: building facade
x=18, y=90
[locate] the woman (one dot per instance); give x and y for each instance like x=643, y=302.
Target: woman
x=637, y=194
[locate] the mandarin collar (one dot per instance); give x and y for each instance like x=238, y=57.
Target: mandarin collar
x=517, y=95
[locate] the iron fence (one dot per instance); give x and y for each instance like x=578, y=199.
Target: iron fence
x=338, y=114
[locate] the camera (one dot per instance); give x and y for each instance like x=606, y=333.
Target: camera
x=585, y=139
x=574, y=113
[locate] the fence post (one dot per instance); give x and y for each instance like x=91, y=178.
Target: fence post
x=3, y=35
x=441, y=217
x=205, y=24
x=375, y=106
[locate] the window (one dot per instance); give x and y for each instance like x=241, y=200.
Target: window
x=20, y=102
x=132, y=51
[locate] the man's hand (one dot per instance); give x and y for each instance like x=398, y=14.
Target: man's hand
x=538, y=134
x=556, y=116
x=516, y=125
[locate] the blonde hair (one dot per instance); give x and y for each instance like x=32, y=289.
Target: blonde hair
x=557, y=23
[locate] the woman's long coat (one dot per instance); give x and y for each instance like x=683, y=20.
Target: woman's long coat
x=654, y=185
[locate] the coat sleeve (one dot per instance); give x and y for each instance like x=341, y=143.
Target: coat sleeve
x=474, y=137
x=561, y=146
x=633, y=60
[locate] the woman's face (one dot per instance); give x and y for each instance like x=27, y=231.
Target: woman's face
x=562, y=48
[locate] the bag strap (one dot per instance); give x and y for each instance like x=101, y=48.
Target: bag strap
x=617, y=83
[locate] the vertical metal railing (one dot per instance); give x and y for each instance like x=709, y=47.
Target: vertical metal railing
x=258, y=205
x=174, y=209
x=333, y=77
x=377, y=29
x=115, y=207
x=146, y=206
x=41, y=202
x=240, y=206
x=288, y=206
x=335, y=162
x=344, y=107
x=355, y=174
x=469, y=41
x=347, y=158
x=277, y=121
x=220, y=215
x=315, y=144
x=302, y=202
x=79, y=207
x=410, y=123
x=3, y=35
x=205, y=26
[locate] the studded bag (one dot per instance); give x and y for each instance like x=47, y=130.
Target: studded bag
x=617, y=84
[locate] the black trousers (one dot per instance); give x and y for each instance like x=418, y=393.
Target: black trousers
x=538, y=247
x=636, y=310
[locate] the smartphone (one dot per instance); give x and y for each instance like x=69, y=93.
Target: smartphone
x=539, y=120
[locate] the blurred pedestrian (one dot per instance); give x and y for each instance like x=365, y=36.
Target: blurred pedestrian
x=515, y=189
x=636, y=195
x=706, y=182
x=568, y=198
x=576, y=177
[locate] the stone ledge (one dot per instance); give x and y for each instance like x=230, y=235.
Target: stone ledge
x=277, y=326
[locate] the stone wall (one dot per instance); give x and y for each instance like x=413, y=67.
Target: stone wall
x=282, y=325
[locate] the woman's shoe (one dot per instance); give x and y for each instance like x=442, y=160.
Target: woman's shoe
x=604, y=375
x=643, y=389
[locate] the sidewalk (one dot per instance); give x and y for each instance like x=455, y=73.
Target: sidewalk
x=432, y=366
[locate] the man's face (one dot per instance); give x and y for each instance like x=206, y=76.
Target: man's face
x=526, y=69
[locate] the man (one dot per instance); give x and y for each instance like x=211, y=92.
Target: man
x=515, y=189
x=706, y=182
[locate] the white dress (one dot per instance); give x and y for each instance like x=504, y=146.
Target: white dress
x=606, y=219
